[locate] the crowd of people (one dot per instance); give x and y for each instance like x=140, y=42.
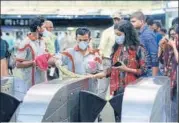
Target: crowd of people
x=128, y=50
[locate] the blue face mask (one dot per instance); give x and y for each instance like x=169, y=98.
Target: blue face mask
x=120, y=39
x=83, y=45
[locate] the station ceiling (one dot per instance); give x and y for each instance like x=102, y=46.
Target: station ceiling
x=78, y=7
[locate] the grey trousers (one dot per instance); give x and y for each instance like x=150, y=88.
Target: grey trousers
x=103, y=84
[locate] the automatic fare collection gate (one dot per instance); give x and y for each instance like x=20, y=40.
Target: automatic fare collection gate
x=78, y=100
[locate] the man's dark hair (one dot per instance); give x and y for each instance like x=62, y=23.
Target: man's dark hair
x=127, y=17
x=163, y=30
x=175, y=21
x=36, y=22
x=149, y=20
x=83, y=31
x=139, y=15
x=158, y=24
x=7, y=33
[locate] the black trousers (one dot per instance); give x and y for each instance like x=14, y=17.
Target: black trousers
x=116, y=115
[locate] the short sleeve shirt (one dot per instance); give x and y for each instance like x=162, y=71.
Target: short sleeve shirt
x=3, y=49
x=81, y=62
x=26, y=73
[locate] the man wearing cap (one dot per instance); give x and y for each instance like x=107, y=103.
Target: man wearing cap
x=108, y=40
x=105, y=47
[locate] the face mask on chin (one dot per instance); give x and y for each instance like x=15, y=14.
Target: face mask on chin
x=83, y=45
x=120, y=39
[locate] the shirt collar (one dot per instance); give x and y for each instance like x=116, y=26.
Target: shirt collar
x=143, y=29
x=89, y=50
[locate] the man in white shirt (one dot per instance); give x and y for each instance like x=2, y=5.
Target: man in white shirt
x=105, y=47
x=108, y=40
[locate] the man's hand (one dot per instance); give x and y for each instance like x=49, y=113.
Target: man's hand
x=33, y=63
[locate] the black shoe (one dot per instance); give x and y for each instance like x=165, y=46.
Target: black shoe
x=99, y=119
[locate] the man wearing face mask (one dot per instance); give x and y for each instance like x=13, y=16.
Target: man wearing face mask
x=106, y=44
x=148, y=40
x=81, y=59
x=46, y=35
x=49, y=36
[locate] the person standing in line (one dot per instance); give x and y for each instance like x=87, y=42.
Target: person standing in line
x=28, y=51
x=48, y=36
x=148, y=40
x=106, y=43
x=3, y=55
x=128, y=60
x=57, y=42
x=157, y=30
x=163, y=31
x=149, y=21
x=169, y=58
x=108, y=40
x=79, y=58
x=9, y=39
x=50, y=40
x=105, y=47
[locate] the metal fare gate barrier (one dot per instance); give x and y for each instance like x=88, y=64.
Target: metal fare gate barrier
x=77, y=100
x=55, y=101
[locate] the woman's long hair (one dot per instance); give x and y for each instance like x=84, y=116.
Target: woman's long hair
x=130, y=33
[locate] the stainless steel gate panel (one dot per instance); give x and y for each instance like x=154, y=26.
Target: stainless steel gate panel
x=37, y=101
x=55, y=101
x=146, y=101
x=62, y=110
